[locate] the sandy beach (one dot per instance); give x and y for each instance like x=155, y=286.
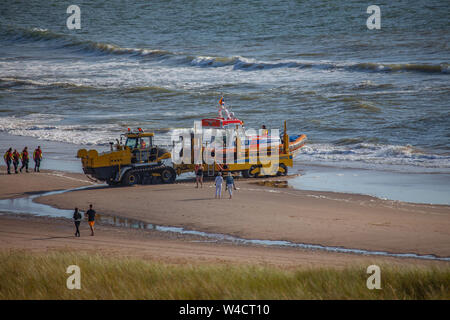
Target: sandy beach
x=258, y=210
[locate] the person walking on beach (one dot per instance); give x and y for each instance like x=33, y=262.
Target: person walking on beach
x=25, y=159
x=230, y=184
x=77, y=220
x=16, y=160
x=91, y=218
x=199, y=175
x=218, y=182
x=37, y=157
x=8, y=159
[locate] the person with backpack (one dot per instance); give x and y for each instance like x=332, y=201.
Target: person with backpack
x=8, y=159
x=16, y=160
x=25, y=159
x=77, y=220
x=37, y=157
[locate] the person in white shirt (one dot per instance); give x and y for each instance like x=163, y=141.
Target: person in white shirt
x=218, y=182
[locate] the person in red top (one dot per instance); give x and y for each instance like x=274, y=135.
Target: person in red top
x=37, y=157
x=25, y=159
x=8, y=159
x=16, y=160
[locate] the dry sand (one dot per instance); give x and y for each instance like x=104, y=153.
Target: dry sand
x=259, y=212
x=23, y=184
x=255, y=212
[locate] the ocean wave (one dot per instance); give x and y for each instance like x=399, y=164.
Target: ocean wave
x=236, y=62
x=87, y=46
x=370, y=85
x=355, y=153
x=11, y=83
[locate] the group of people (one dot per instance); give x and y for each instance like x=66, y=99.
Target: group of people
x=229, y=182
x=90, y=214
x=14, y=158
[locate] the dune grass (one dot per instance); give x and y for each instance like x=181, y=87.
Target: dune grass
x=25, y=275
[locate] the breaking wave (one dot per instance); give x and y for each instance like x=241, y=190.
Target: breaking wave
x=236, y=62
x=11, y=83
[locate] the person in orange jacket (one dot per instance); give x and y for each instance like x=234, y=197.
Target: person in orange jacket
x=16, y=160
x=25, y=159
x=37, y=157
x=8, y=159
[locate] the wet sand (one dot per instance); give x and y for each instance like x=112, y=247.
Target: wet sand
x=255, y=212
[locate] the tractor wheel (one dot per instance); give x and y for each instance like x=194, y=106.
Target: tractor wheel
x=168, y=175
x=249, y=173
x=130, y=178
x=284, y=168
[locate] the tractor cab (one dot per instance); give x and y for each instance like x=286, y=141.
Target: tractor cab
x=141, y=146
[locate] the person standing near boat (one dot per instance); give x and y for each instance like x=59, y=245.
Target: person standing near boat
x=77, y=220
x=25, y=159
x=37, y=157
x=8, y=159
x=16, y=160
x=218, y=182
x=199, y=175
x=230, y=184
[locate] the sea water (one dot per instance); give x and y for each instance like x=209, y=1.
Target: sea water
x=367, y=99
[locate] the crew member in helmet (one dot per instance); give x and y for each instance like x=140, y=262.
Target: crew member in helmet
x=16, y=160
x=37, y=157
x=25, y=159
x=8, y=159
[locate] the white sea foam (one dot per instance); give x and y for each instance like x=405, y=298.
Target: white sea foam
x=51, y=127
x=372, y=156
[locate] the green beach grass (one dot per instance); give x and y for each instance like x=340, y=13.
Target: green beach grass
x=25, y=275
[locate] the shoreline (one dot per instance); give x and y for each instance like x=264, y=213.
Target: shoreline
x=418, y=186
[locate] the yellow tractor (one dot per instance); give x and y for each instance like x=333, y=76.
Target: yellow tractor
x=136, y=161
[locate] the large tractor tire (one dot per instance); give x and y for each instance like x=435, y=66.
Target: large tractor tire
x=248, y=173
x=130, y=178
x=282, y=170
x=168, y=175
